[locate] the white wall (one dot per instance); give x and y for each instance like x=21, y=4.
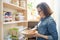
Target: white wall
x=57, y=10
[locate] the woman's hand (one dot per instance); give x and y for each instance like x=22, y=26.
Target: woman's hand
x=37, y=34
x=31, y=33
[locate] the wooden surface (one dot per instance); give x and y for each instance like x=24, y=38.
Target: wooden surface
x=12, y=6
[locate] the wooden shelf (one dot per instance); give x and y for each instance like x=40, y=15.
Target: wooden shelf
x=9, y=7
x=13, y=22
x=33, y=20
x=12, y=6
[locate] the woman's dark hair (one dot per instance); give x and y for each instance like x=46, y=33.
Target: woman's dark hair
x=45, y=8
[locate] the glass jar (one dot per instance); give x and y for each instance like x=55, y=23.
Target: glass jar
x=17, y=17
x=15, y=2
x=22, y=3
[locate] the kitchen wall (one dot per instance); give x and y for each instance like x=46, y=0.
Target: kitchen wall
x=1, y=20
x=57, y=10
x=31, y=8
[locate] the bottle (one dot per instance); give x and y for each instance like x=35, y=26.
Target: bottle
x=6, y=18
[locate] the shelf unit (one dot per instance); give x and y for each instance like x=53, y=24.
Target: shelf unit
x=12, y=6
x=5, y=26
x=13, y=22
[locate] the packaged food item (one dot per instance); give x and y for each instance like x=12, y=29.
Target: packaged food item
x=19, y=17
x=7, y=17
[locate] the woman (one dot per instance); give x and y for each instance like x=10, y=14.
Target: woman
x=47, y=26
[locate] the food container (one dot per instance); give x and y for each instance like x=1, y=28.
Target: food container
x=22, y=3
x=15, y=2
x=7, y=16
x=28, y=32
x=21, y=18
x=17, y=17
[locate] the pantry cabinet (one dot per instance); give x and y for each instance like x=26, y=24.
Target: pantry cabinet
x=13, y=14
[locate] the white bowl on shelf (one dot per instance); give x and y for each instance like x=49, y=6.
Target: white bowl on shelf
x=21, y=18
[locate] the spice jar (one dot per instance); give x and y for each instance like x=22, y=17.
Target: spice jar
x=17, y=17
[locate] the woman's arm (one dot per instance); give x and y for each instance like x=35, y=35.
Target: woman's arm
x=52, y=30
x=41, y=35
x=34, y=28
